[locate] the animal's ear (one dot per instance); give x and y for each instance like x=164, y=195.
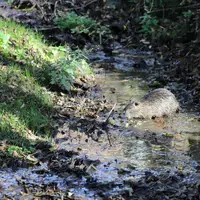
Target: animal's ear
x=136, y=103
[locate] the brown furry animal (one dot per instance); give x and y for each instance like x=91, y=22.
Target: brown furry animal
x=157, y=103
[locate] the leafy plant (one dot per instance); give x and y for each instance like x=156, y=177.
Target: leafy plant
x=187, y=14
x=64, y=72
x=81, y=24
x=20, y=150
x=10, y=2
x=149, y=24
x=62, y=76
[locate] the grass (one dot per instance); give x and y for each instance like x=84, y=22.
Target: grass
x=28, y=67
x=55, y=65
x=25, y=107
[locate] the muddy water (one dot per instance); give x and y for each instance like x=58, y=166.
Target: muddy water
x=138, y=146
x=120, y=87
x=10, y=187
x=127, y=81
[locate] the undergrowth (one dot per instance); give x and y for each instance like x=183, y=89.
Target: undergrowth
x=28, y=68
x=26, y=47
x=81, y=25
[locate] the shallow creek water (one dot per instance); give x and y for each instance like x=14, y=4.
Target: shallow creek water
x=177, y=139
x=138, y=152
x=126, y=82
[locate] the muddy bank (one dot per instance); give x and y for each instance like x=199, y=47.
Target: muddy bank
x=98, y=155
x=131, y=168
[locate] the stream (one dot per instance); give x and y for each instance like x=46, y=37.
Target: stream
x=161, y=154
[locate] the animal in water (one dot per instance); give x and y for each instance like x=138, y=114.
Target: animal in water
x=157, y=103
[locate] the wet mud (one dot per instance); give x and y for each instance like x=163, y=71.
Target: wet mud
x=103, y=155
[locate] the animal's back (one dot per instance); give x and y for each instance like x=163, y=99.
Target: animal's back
x=158, y=95
x=157, y=103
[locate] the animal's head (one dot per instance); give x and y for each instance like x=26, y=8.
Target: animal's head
x=134, y=110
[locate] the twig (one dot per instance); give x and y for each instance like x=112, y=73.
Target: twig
x=105, y=123
x=80, y=7
x=110, y=113
x=87, y=4
x=105, y=132
x=55, y=6
x=39, y=7
x=194, y=6
x=47, y=28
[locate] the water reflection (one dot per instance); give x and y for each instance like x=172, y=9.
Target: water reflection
x=9, y=181
x=120, y=87
x=145, y=155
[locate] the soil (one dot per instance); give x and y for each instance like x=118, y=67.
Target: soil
x=87, y=163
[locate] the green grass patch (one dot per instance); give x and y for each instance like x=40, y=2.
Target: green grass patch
x=49, y=64
x=28, y=67
x=25, y=106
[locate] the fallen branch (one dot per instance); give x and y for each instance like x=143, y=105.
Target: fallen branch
x=105, y=132
x=194, y=6
x=83, y=6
